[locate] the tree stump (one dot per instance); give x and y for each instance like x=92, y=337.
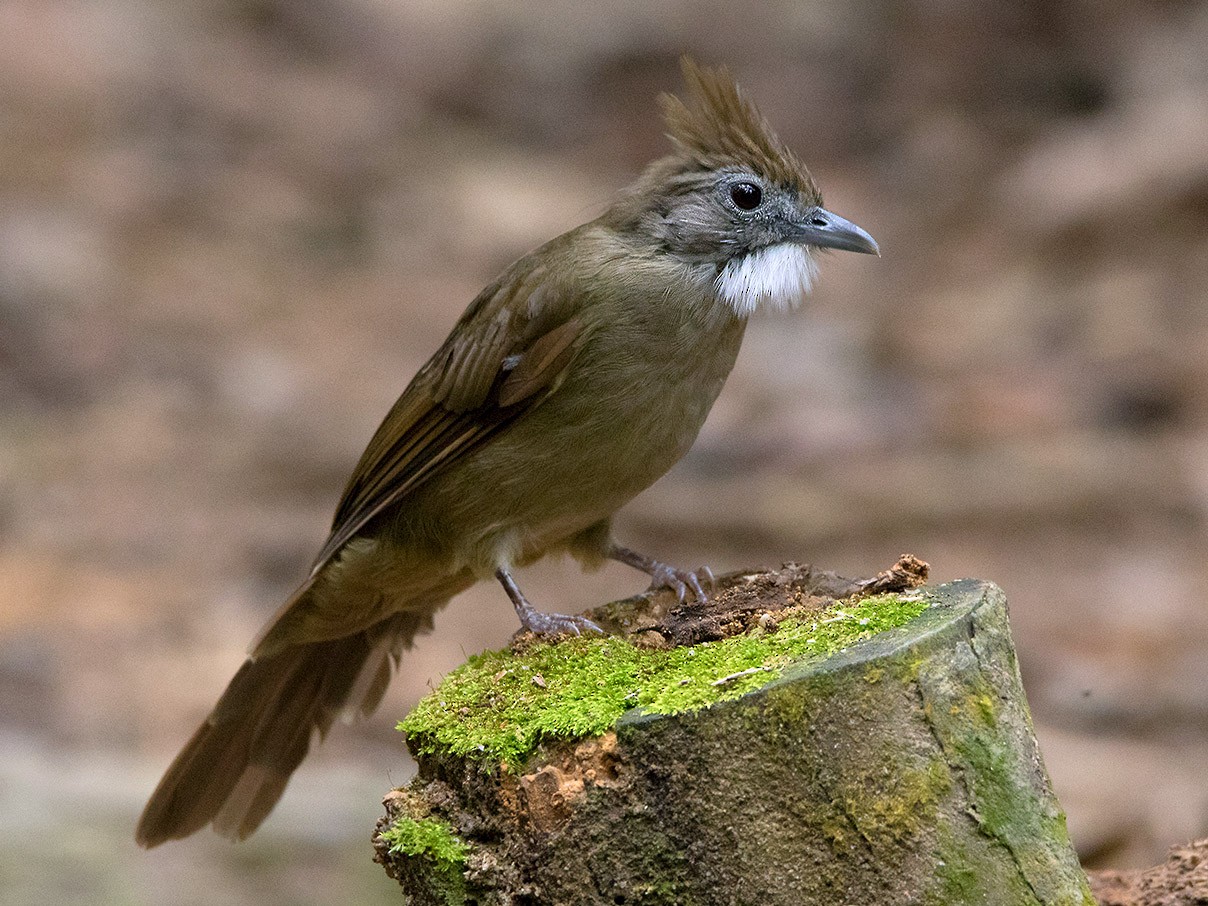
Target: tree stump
x=774, y=746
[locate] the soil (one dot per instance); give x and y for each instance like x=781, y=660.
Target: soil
x=738, y=601
x=1182, y=880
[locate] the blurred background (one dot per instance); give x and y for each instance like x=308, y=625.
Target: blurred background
x=231, y=231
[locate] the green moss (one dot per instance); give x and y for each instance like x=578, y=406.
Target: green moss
x=501, y=706
x=427, y=837
x=659, y=893
x=435, y=869
x=900, y=805
x=959, y=875
x=1007, y=807
x=1005, y=803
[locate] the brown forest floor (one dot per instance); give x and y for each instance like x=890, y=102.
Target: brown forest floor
x=231, y=231
x=1182, y=880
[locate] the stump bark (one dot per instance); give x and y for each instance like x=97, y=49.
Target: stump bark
x=901, y=768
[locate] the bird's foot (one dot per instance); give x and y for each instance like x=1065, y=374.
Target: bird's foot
x=679, y=581
x=537, y=622
x=552, y=624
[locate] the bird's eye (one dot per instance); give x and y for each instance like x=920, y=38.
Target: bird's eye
x=746, y=195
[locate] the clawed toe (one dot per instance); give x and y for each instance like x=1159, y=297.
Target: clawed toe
x=538, y=623
x=672, y=583
x=554, y=624
x=664, y=576
x=681, y=580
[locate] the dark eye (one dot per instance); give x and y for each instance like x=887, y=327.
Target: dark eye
x=746, y=195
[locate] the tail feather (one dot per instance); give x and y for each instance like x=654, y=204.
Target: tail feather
x=236, y=766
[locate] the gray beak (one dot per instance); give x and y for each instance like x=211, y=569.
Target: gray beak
x=823, y=229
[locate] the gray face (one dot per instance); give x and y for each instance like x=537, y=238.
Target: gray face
x=721, y=216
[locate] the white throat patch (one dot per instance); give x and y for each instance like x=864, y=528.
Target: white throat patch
x=776, y=277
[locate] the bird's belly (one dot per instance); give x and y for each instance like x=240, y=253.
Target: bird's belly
x=570, y=462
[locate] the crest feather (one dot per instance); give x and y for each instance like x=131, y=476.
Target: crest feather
x=721, y=126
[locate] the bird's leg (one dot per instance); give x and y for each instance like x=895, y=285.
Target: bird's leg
x=534, y=620
x=664, y=576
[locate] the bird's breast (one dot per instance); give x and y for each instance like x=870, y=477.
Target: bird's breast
x=629, y=407
x=654, y=355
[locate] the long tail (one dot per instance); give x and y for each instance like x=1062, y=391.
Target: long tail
x=236, y=766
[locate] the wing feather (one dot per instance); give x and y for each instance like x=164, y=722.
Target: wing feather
x=500, y=361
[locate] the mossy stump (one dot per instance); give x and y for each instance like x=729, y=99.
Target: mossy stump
x=865, y=751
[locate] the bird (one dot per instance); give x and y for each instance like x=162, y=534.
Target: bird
x=569, y=385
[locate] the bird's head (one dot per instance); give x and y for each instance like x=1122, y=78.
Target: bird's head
x=733, y=197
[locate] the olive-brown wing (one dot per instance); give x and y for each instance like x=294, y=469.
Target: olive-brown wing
x=505, y=355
